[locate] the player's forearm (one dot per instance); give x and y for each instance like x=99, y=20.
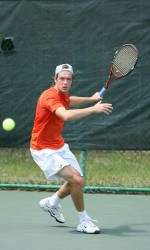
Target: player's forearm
x=75, y=100
x=68, y=115
x=78, y=113
x=75, y=114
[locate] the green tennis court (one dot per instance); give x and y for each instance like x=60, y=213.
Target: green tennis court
x=124, y=221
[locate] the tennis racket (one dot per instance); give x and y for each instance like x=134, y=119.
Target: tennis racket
x=123, y=62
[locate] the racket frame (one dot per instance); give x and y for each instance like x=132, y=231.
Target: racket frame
x=109, y=81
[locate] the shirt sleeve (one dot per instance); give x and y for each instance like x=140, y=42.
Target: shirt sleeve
x=52, y=103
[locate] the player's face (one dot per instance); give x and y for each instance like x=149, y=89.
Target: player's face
x=63, y=81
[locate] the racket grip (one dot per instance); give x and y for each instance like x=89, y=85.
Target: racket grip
x=102, y=91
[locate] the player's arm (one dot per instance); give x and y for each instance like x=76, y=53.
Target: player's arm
x=75, y=114
x=76, y=100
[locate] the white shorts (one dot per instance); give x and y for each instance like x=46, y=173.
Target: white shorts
x=52, y=161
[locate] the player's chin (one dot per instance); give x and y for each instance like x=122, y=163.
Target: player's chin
x=64, y=90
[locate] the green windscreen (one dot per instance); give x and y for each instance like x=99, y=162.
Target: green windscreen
x=86, y=35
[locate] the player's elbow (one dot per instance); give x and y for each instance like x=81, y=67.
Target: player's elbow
x=66, y=118
x=65, y=115
x=62, y=114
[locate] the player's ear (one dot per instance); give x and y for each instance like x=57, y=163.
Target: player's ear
x=55, y=78
x=72, y=80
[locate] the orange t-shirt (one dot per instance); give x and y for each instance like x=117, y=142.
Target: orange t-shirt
x=48, y=127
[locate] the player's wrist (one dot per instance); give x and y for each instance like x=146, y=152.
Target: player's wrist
x=92, y=110
x=92, y=99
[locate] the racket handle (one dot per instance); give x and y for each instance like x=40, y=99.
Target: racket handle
x=102, y=91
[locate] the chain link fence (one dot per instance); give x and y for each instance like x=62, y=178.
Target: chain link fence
x=103, y=170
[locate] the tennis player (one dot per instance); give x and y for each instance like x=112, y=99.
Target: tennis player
x=52, y=154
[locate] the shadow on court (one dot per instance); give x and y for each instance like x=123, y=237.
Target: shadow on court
x=124, y=221
x=126, y=230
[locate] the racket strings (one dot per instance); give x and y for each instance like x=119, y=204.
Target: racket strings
x=124, y=60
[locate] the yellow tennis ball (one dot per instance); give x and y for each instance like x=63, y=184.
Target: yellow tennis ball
x=8, y=124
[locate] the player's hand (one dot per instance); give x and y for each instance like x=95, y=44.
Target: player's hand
x=106, y=108
x=96, y=97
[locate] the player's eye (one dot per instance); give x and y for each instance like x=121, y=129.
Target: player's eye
x=62, y=78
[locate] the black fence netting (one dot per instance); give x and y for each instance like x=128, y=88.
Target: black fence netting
x=84, y=34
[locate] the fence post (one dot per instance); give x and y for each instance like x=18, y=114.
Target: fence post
x=83, y=164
